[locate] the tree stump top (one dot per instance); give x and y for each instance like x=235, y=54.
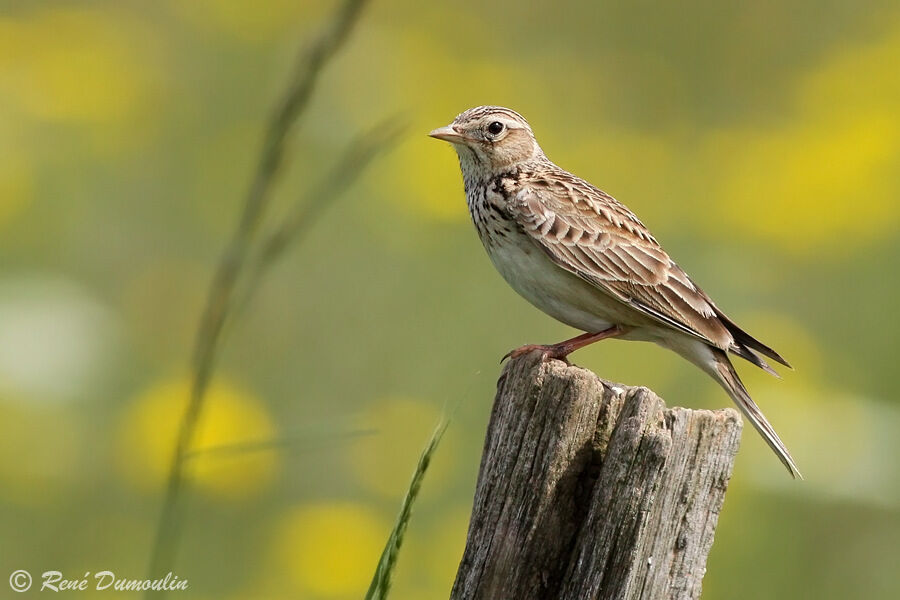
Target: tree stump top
x=591, y=489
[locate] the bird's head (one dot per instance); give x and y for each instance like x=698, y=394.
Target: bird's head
x=490, y=138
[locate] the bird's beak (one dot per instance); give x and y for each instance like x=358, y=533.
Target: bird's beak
x=448, y=134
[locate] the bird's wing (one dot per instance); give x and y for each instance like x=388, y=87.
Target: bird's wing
x=590, y=234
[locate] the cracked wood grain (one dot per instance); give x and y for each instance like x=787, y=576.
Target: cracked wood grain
x=593, y=490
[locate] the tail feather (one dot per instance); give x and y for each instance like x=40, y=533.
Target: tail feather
x=747, y=342
x=728, y=378
x=749, y=355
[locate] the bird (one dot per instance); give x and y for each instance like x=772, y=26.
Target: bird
x=585, y=259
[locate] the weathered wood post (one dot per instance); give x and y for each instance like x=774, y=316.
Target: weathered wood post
x=593, y=490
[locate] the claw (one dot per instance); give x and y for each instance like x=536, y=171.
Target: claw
x=547, y=352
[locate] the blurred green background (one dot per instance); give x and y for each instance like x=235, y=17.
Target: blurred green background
x=759, y=141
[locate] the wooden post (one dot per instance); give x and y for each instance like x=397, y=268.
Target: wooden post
x=593, y=490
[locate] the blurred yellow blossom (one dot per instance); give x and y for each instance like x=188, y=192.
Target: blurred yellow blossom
x=832, y=172
x=76, y=64
x=802, y=187
x=231, y=416
x=330, y=549
x=858, y=76
x=432, y=187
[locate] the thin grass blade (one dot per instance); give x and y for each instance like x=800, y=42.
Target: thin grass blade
x=381, y=581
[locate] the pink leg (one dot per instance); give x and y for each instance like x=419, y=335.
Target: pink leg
x=563, y=349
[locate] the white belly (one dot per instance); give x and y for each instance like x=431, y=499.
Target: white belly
x=555, y=291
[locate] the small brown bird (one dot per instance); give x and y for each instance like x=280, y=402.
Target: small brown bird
x=582, y=257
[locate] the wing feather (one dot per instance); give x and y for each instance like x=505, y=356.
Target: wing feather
x=590, y=234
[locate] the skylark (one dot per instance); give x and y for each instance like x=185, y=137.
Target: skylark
x=582, y=257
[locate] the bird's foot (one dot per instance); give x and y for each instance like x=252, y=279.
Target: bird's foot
x=553, y=351
x=561, y=350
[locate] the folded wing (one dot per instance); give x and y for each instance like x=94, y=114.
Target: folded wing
x=590, y=234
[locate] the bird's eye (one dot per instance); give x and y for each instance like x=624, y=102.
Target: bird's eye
x=495, y=128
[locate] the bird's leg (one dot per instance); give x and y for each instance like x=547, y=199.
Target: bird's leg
x=562, y=349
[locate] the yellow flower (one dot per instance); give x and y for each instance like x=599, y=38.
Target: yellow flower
x=77, y=65
x=808, y=187
x=231, y=417
x=330, y=550
x=431, y=186
x=827, y=181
